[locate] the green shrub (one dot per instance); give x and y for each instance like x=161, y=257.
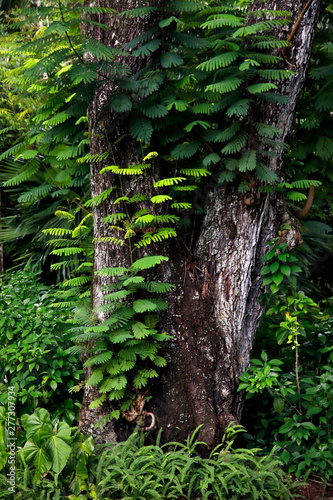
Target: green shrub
x=57, y=462
x=292, y=383
x=133, y=470
x=33, y=339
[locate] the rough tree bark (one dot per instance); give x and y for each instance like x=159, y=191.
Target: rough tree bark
x=214, y=311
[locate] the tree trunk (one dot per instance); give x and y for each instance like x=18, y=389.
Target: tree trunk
x=214, y=311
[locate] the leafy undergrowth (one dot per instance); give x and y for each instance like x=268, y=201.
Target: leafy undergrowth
x=136, y=471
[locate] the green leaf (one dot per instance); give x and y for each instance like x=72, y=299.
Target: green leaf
x=148, y=262
x=274, y=267
x=314, y=410
x=185, y=150
x=324, y=148
x=203, y=124
x=140, y=330
x=285, y=455
x=53, y=385
x=220, y=61
x=166, y=22
x=160, y=198
x=37, y=456
x=154, y=110
x=225, y=86
x=58, y=447
x=143, y=305
x=278, y=404
x=39, y=420
x=267, y=280
x=170, y=59
x=141, y=128
x=211, y=158
x=121, y=103
x=180, y=105
x=248, y=161
x=278, y=278
x=265, y=270
x=147, y=48
x=257, y=88
x=285, y=270
x=296, y=269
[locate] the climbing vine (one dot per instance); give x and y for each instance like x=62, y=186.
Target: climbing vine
x=208, y=68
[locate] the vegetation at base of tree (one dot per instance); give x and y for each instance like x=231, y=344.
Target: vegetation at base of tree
x=57, y=462
x=45, y=178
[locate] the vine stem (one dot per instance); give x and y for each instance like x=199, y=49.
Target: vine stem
x=296, y=369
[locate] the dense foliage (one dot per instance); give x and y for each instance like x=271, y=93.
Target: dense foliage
x=207, y=70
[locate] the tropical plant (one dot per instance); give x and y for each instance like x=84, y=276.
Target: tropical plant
x=297, y=413
x=135, y=470
x=198, y=85
x=53, y=460
x=34, y=338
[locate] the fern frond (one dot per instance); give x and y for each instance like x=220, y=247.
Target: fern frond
x=169, y=181
x=296, y=196
x=170, y=60
x=161, y=234
x=258, y=88
x=138, y=12
x=239, y=108
x=154, y=110
x=141, y=128
x=265, y=174
x=183, y=205
x=220, y=61
x=158, y=287
x=185, y=150
x=115, y=218
x=227, y=85
x=109, y=239
x=78, y=281
x=131, y=170
x=223, y=135
x=57, y=231
x=68, y=251
x=264, y=129
x=112, y=271
x=324, y=148
x=93, y=202
x=248, y=161
x=161, y=198
x=222, y=20
x=305, y=183
x=148, y=262
x=236, y=144
x=195, y=172
x=146, y=49
x=276, y=74
x=36, y=193
x=190, y=41
x=24, y=174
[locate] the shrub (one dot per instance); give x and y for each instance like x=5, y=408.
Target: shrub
x=134, y=470
x=33, y=341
